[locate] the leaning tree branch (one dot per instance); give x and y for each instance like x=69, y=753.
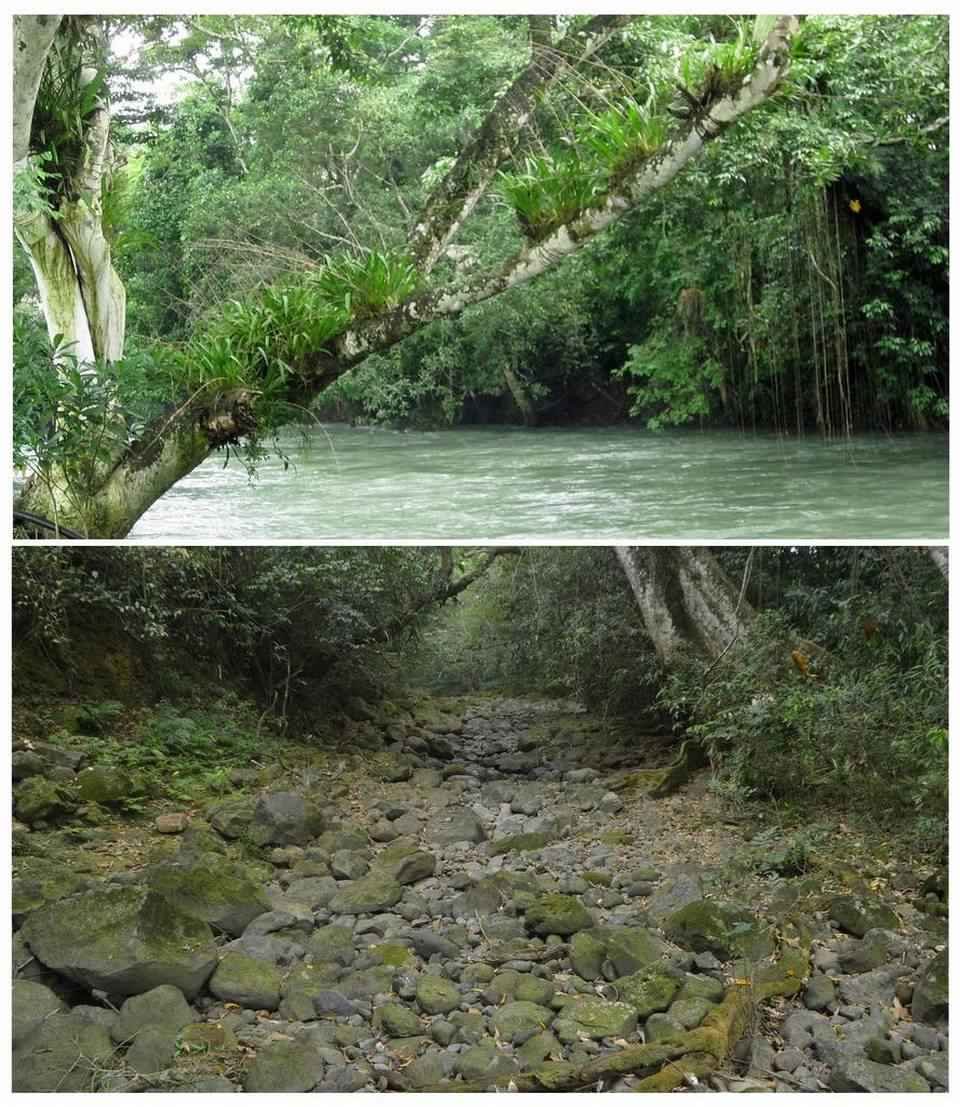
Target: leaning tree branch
x=457, y=194
x=448, y=588
x=535, y=258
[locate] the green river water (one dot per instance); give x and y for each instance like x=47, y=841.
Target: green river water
x=515, y=484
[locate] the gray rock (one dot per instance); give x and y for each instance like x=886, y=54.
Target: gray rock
x=241, y=979
x=935, y=1070
x=672, y=895
x=930, y=993
x=285, y=819
x=217, y=892
x=63, y=1054
x=454, y=824
x=284, y=1066
x=820, y=993
x=32, y=1003
x=348, y=865
x=312, y=892
x=854, y=1073
x=878, y=947
x=857, y=914
x=427, y=943
x=153, y=1049
x=160, y=1007
x=123, y=940
x=788, y=1060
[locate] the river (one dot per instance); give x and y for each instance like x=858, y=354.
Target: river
x=598, y=483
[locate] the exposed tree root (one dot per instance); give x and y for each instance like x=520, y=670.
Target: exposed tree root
x=667, y=1063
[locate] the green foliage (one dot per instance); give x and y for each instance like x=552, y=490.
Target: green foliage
x=678, y=380
x=624, y=134
x=67, y=96
x=714, y=65
x=367, y=284
x=550, y=190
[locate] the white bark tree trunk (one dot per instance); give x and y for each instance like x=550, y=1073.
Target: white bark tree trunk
x=685, y=599
x=33, y=36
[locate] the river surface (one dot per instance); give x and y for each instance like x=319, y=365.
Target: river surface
x=597, y=483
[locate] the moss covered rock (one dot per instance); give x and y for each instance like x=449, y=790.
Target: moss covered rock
x=649, y=990
x=521, y=843
x=284, y=1066
x=930, y=994
x=436, y=995
x=557, y=914
x=218, y=892
x=518, y=1020
x=627, y=948
x=244, y=980
x=38, y=800
x=285, y=819
x=105, y=785
x=124, y=940
x=372, y=893
x=599, y=1018
x=722, y=929
x=399, y=1021
x=857, y=914
x=63, y=1054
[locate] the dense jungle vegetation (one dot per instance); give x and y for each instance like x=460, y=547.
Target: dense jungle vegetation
x=274, y=223
x=835, y=696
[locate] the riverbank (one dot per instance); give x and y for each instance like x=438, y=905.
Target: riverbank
x=448, y=894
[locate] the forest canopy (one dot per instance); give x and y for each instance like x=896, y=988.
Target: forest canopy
x=730, y=222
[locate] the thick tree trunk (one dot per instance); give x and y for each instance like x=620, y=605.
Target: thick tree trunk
x=685, y=599
x=33, y=36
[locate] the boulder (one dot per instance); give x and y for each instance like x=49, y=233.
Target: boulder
x=153, y=1049
x=517, y=1021
x=375, y=892
x=600, y=1018
x=285, y=819
x=436, y=995
x=930, y=994
x=672, y=895
x=284, y=1066
x=857, y=914
x=484, y=1062
x=399, y=1021
x=32, y=1003
x=105, y=785
x=557, y=914
x=124, y=940
x=63, y=1054
x=722, y=929
x=39, y=800
x=232, y=818
x=163, y=1006
x=332, y=944
x=854, y=1073
x=650, y=990
x=241, y=979
x=454, y=824
x=218, y=892
x=627, y=949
